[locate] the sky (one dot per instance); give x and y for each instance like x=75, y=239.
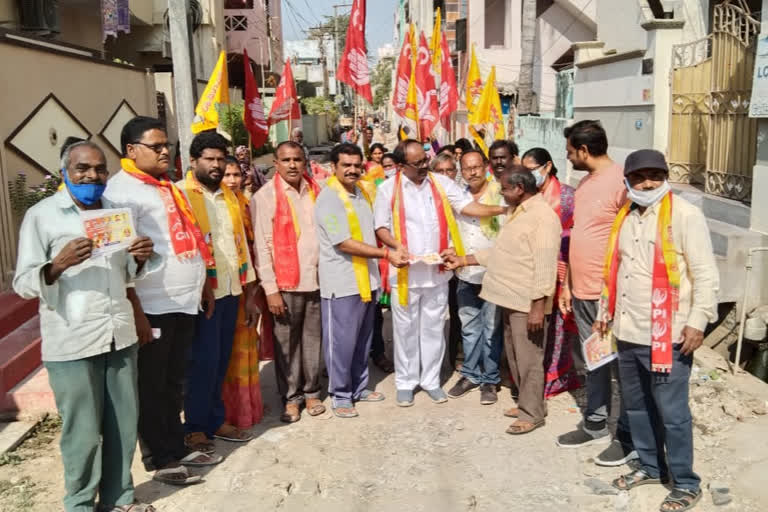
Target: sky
x=379, y=23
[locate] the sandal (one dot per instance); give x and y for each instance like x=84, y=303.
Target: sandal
x=514, y=412
x=201, y=459
x=345, y=412
x=370, y=396
x=176, y=476
x=232, y=434
x=315, y=407
x=523, y=427
x=134, y=507
x=683, y=497
x=198, y=442
x=633, y=479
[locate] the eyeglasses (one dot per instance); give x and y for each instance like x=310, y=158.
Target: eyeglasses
x=422, y=164
x=157, y=148
x=476, y=168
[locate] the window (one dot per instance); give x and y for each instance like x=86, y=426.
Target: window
x=235, y=23
x=495, y=26
x=238, y=4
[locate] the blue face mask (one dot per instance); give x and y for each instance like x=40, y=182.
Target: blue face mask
x=86, y=193
x=427, y=146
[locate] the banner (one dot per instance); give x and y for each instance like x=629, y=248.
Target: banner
x=486, y=121
x=253, y=113
x=435, y=44
x=403, y=76
x=353, y=66
x=449, y=92
x=426, y=90
x=286, y=104
x=216, y=92
x=474, y=83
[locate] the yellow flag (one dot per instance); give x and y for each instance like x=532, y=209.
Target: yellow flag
x=414, y=47
x=487, y=115
x=434, y=46
x=217, y=91
x=474, y=83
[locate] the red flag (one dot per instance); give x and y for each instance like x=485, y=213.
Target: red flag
x=425, y=87
x=286, y=104
x=353, y=66
x=402, y=77
x=253, y=115
x=449, y=93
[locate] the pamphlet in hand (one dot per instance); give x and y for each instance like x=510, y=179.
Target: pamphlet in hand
x=428, y=259
x=599, y=350
x=110, y=229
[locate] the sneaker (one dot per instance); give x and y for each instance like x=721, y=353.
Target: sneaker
x=462, y=387
x=437, y=395
x=615, y=455
x=579, y=438
x=404, y=397
x=488, y=394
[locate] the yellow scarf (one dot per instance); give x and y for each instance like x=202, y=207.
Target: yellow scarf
x=490, y=226
x=446, y=221
x=359, y=264
x=194, y=192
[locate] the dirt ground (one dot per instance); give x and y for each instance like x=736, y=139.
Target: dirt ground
x=449, y=457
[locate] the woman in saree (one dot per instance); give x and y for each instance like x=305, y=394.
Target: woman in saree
x=562, y=335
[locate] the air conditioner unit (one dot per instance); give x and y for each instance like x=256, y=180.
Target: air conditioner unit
x=39, y=15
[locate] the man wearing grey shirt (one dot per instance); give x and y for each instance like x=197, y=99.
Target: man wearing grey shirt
x=349, y=278
x=89, y=337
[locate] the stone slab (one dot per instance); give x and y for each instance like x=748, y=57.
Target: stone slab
x=13, y=433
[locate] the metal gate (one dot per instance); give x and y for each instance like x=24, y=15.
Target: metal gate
x=712, y=140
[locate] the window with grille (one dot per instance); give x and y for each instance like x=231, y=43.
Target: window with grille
x=235, y=23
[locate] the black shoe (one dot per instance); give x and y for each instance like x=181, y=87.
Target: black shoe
x=462, y=387
x=615, y=455
x=488, y=394
x=579, y=438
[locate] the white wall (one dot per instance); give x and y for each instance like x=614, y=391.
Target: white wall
x=507, y=60
x=618, y=25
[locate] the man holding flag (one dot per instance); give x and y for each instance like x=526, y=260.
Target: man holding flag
x=414, y=212
x=349, y=278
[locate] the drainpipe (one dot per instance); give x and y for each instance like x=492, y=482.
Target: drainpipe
x=748, y=269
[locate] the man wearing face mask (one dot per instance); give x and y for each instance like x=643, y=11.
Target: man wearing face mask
x=660, y=292
x=89, y=345
x=220, y=217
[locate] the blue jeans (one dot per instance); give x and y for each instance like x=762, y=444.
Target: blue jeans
x=659, y=415
x=481, y=333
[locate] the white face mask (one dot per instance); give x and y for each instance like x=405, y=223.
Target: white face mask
x=540, y=178
x=646, y=198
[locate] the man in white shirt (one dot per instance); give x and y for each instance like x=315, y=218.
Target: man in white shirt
x=419, y=220
x=481, y=325
x=166, y=302
x=660, y=295
x=88, y=334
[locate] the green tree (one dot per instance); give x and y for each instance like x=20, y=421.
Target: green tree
x=381, y=82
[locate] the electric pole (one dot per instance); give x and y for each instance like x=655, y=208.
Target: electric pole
x=336, y=44
x=184, y=82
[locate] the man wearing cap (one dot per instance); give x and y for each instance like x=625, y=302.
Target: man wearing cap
x=659, y=293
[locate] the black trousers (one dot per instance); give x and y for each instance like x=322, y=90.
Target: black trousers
x=162, y=364
x=377, y=346
x=454, y=324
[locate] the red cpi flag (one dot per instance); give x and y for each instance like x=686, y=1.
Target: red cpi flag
x=286, y=104
x=402, y=78
x=353, y=66
x=425, y=87
x=449, y=93
x=253, y=115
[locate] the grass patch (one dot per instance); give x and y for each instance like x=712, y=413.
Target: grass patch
x=18, y=494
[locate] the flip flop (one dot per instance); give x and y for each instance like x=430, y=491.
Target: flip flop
x=345, y=412
x=370, y=396
x=176, y=476
x=523, y=427
x=233, y=435
x=201, y=459
x=134, y=507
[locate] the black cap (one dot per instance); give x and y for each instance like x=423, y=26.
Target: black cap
x=645, y=159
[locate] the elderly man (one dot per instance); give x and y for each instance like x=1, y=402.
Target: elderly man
x=89, y=336
x=520, y=278
x=349, y=278
x=286, y=251
x=481, y=326
x=297, y=136
x=660, y=294
x=165, y=303
x=414, y=212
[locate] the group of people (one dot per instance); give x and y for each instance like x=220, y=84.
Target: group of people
x=229, y=267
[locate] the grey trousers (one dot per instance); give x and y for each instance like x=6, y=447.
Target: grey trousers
x=599, y=382
x=298, y=347
x=525, y=354
x=98, y=400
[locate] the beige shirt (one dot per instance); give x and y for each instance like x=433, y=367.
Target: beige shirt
x=522, y=265
x=262, y=212
x=699, y=278
x=224, y=249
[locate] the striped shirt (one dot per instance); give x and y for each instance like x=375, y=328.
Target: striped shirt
x=522, y=265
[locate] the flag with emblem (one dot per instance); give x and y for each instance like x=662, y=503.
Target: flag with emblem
x=253, y=113
x=286, y=104
x=353, y=66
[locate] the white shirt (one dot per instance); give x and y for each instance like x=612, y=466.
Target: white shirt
x=421, y=224
x=474, y=240
x=178, y=285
